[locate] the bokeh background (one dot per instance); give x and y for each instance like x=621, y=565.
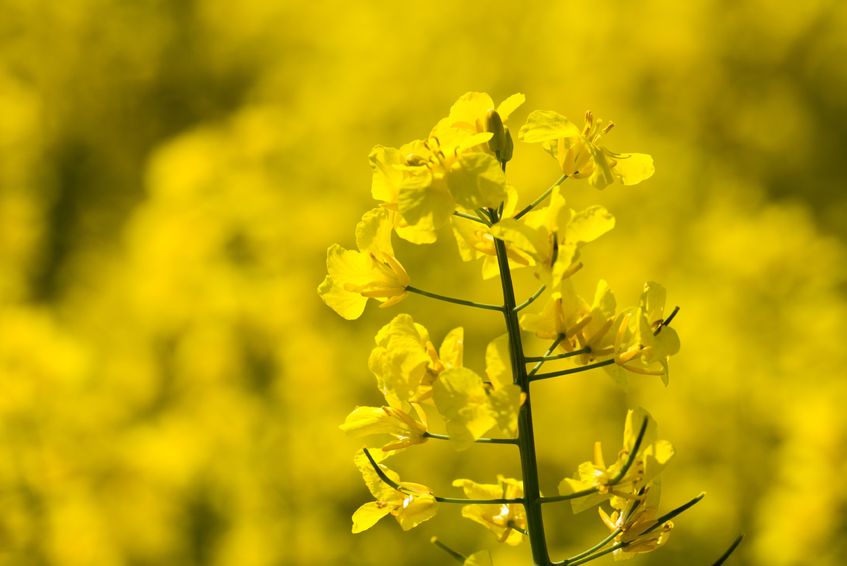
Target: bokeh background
x=171, y=174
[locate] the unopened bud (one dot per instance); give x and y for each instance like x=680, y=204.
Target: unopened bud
x=494, y=124
x=508, y=147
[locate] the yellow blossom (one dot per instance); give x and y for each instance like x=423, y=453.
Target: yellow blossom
x=410, y=507
x=648, y=462
x=406, y=363
x=456, y=167
x=578, y=151
x=506, y=520
x=371, y=272
x=552, y=236
x=636, y=521
x=386, y=428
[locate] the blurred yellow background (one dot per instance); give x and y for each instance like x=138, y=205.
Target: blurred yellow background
x=171, y=174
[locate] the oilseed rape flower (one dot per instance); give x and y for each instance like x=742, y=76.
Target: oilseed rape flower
x=635, y=523
x=406, y=363
x=632, y=471
x=578, y=151
x=371, y=272
x=453, y=181
x=459, y=165
x=387, y=428
x=553, y=235
x=410, y=506
x=506, y=520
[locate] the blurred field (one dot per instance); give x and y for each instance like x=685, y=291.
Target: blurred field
x=171, y=174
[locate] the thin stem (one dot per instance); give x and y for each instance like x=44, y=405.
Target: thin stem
x=658, y=523
x=671, y=514
x=549, y=358
x=550, y=350
x=592, y=550
x=470, y=217
x=454, y=300
x=526, y=436
x=667, y=321
x=530, y=300
x=483, y=440
x=460, y=500
x=579, y=369
x=729, y=550
x=636, y=446
x=540, y=199
x=459, y=558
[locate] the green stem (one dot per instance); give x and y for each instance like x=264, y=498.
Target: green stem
x=460, y=500
x=729, y=551
x=579, y=369
x=470, y=217
x=454, y=300
x=530, y=300
x=549, y=351
x=459, y=558
x=437, y=436
x=597, y=555
x=592, y=550
x=540, y=199
x=526, y=436
x=548, y=358
x=671, y=514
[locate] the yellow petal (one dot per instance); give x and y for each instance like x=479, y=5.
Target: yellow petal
x=632, y=168
x=589, y=224
x=460, y=398
x=367, y=516
x=477, y=180
x=544, y=125
x=498, y=364
x=451, y=352
x=511, y=104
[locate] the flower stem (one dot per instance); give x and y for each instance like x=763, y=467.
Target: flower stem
x=526, y=436
x=540, y=199
x=460, y=500
x=592, y=550
x=541, y=361
x=479, y=440
x=579, y=369
x=548, y=358
x=729, y=551
x=454, y=300
x=471, y=217
x=459, y=558
x=530, y=300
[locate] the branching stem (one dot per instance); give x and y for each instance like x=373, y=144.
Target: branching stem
x=541, y=198
x=454, y=300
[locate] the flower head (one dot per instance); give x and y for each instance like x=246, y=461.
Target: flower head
x=579, y=153
x=386, y=428
x=410, y=507
x=506, y=520
x=371, y=272
x=457, y=166
x=618, y=482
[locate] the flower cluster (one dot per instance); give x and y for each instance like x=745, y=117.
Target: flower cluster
x=452, y=183
x=630, y=486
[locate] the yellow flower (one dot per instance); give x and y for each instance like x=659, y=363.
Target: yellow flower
x=552, y=236
x=386, y=428
x=506, y=520
x=578, y=152
x=371, y=272
x=636, y=520
x=471, y=407
x=648, y=462
x=410, y=507
x=457, y=166
x=643, y=343
x=405, y=362
x=474, y=113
